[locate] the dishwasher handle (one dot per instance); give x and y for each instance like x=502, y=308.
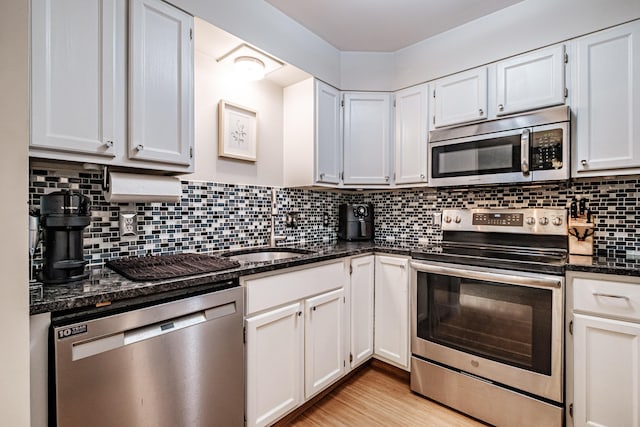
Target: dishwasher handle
x=81, y=350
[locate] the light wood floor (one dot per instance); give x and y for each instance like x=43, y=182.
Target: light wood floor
x=378, y=396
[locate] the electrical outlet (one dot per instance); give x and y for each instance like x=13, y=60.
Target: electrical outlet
x=128, y=224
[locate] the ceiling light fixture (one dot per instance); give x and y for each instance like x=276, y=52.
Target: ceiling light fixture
x=249, y=62
x=249, y=68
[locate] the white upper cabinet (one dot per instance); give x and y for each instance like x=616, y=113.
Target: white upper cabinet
x=89, y=104
x=367, y=138
x=461, y=98
x=161, y=83
x=531, y=81
x=78, y=76
x=328, y=133
x=410, y=141
x=607, y=102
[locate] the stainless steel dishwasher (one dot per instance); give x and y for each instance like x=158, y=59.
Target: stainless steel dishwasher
x=175, y=363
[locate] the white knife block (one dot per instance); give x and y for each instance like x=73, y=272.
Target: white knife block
x=581, y=246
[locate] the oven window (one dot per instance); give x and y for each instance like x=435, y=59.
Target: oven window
x=495, y=155
x=502, y=322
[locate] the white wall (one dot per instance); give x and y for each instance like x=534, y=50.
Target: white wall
x=264, y=26
x=14, y=170
x=522, y=27
x=367, y=71
x=215, y=81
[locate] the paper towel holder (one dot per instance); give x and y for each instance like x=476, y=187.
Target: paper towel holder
x=105, y=179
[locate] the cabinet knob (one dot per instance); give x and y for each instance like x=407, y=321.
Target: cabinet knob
x=313, y=308
x=108, y=144
x=322, y=175
x=386, y=178
x=421, y=176
x=299, y=313
x=481, y=111
x=583, y=162
x=139, y=147
x=500, y=107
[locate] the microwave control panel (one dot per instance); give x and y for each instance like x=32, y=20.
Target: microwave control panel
x=546, y=150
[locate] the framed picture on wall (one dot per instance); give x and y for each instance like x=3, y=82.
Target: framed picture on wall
x=236, y=132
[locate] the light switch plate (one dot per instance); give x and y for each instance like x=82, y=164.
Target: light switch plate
x=128, y=224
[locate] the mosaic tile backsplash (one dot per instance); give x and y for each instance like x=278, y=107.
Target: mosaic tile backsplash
x=213, y=216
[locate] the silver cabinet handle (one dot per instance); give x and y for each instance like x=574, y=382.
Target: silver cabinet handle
x=386, y=178
x=139, y=147
x=500, y=107
x=598, y=294
x=583, y=162
x=108, y=144
x=322, y=175
x=481, y=111
x=421, y=176
x=524, y=152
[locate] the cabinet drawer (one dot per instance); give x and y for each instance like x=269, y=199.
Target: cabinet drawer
x=609, y=298
x=263, y=292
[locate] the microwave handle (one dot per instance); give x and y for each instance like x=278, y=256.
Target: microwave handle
x=524, y=151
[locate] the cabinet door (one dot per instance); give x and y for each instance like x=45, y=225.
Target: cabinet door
x=323, y=341
x=274, y=353
x=328, y=137
x=161, y=83
x=411, y=135
x=362, y=276
x=78, y=61
x=607, y=103
x=367, y=138
x=606, y=372
x=392, y=310
x=461, y=98
x=531, y=81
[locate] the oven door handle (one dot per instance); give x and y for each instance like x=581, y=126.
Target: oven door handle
x=488, y=276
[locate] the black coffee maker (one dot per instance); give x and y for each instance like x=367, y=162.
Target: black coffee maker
x=63, y=217
x=355, y=221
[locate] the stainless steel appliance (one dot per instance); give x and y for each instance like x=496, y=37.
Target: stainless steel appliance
x=355, y=221
x=64, y=215
x=174, y=363
x=523, y=148
x=487, y=315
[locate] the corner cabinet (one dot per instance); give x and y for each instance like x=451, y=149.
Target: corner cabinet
x=604, y=361
x=367, y=138
x=410, y=142
x=392, y=310
x=361, y=304
x=607, y=102
x=87, y=106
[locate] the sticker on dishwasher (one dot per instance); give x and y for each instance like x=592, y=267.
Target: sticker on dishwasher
x=74, y=330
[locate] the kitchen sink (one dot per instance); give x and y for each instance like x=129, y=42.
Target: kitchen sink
x=266, y=254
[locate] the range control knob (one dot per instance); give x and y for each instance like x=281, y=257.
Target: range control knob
x=531, y=221
x=458, y=220
x=557, y=221
x=543, y=221
x=447, y=219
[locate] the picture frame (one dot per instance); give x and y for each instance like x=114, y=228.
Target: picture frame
x=237, y=132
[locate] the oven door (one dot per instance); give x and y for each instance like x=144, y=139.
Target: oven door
x=499, y=325
x=501, y=157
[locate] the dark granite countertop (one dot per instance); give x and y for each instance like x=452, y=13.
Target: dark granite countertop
x=105, y=286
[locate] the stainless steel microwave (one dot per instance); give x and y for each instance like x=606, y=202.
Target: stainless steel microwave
x=523, y=148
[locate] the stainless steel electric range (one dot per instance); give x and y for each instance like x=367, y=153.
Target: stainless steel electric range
x=488, y=315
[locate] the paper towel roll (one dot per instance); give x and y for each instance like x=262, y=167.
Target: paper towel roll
x=130, y=187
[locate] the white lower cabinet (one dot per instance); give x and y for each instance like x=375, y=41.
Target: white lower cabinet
x=361, y=304
x=392, y=310
x=295, y=335
x=323, y=343
x=604, y=360
x=274, y=351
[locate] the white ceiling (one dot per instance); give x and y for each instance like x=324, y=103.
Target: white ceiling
x=384, y=25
